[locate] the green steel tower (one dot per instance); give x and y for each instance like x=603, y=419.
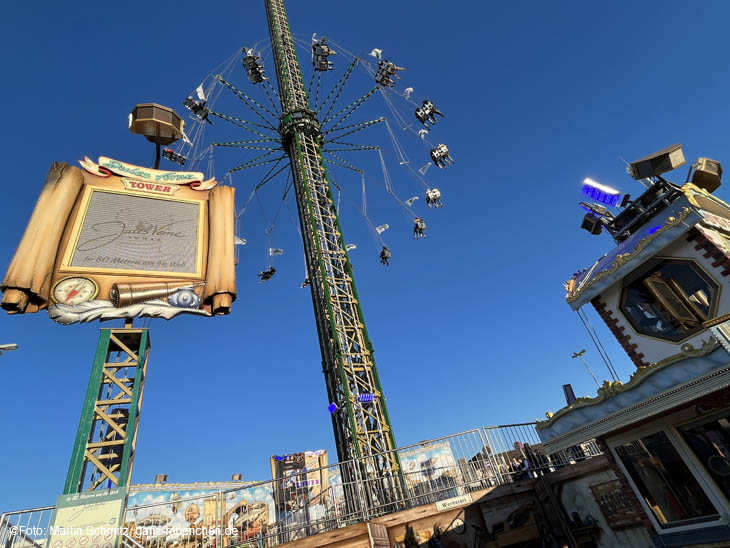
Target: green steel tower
x=362, y=428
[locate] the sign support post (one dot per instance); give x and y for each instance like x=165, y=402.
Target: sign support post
x=94, y=497
x=105, y=441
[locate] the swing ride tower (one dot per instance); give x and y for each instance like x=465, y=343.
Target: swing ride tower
x=360, y=420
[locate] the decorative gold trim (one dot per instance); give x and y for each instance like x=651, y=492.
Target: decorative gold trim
x=611, y=389
x=689, y=190
x=687, y=350
x=81, y=216
x=623, y=258
x=716, y=321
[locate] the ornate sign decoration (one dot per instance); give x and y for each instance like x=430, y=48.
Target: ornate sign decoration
x=119, y=241
x=167, y=190
x=108, y=167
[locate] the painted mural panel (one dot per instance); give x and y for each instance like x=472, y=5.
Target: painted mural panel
x=185, y=518
x=249, y=513
x=429, y=468
x=301, y=493
x=193, y=518
x=302, y=478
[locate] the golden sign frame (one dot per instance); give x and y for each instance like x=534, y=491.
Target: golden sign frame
x=81, y=216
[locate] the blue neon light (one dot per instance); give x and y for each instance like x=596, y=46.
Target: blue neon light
x=653, y=230
x=365, y=398
x=332, y=407
x=600, y=196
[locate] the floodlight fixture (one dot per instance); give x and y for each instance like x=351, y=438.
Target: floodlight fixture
x=237, y=477
x=707, y=174
x=332, y=407
x=160, y=478
x=592, y=224
x=657, y=163
x=580, y=355
x=159, y=124
x=600, y=193
x=7, y=347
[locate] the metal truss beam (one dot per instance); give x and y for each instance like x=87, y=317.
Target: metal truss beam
x=105, y=441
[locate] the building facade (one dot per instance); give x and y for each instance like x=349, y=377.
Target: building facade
x=663, y=293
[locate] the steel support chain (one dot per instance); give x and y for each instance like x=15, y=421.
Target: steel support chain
x=354, y=128
x=243, y=124
x=255, y=162
x=247, y=101
x=349, y=110
x=354, y=148
x=339, y=86
x=342, y=162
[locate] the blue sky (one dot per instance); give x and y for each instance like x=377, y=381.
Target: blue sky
x=469, y=325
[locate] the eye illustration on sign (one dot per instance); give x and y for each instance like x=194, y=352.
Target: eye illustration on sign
x=132, y=241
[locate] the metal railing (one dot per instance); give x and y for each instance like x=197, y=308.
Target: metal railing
x=517, y=452
x=25, y=528
x=311, y=501
x=129, y=542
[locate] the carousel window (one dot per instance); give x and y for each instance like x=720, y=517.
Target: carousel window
x=665, y=482
x=670, y=300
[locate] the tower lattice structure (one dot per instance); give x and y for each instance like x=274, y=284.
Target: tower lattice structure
x=362, y=428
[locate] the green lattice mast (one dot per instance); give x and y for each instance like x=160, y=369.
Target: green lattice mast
x=361, y=428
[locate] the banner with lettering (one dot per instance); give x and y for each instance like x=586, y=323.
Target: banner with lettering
x=108, y=166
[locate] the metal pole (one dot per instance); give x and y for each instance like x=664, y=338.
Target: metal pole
x=580, y=355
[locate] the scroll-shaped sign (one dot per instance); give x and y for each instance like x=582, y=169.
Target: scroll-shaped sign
x=118, y=241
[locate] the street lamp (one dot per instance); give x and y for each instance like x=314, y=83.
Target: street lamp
x=580, y=355
x=7, y=348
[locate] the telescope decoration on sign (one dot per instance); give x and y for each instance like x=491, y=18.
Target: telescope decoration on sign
x=115, y=240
